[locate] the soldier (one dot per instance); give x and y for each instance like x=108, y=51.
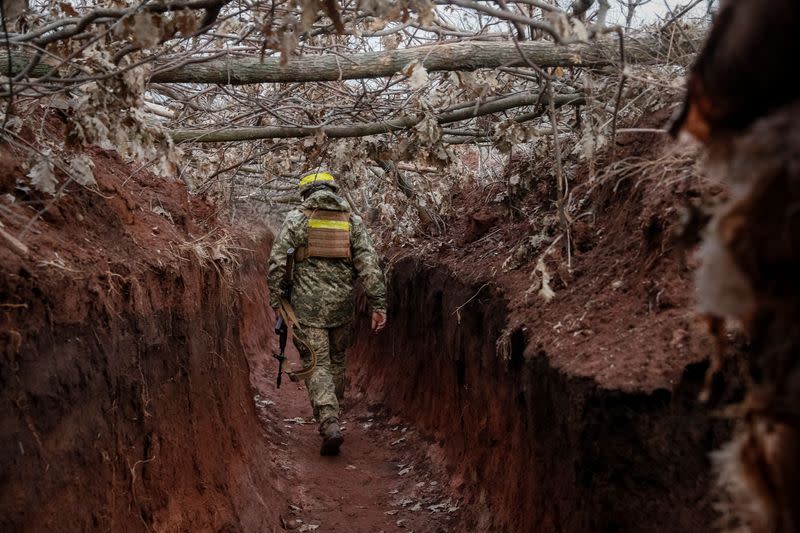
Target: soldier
x=332, y=248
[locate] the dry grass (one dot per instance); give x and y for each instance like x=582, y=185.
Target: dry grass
x=216, y=249
x=676, y=164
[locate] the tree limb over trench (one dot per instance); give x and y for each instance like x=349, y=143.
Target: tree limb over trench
x=371, y=128
x=462, y=56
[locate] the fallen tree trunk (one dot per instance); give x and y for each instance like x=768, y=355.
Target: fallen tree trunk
x=463, y=56
x=369, y=128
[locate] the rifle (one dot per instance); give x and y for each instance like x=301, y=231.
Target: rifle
x=281, y=328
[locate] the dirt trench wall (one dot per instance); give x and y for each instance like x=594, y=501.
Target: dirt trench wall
x=530, y=448
x=125, y=394
x=128, y=410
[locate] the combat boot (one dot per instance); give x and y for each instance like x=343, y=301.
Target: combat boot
x=331, y=437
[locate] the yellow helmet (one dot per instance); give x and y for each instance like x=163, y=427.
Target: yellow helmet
x=317, y=178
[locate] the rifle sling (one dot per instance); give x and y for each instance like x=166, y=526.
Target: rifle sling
x=287, y=312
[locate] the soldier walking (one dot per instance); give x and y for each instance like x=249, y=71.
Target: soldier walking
x=331, y=248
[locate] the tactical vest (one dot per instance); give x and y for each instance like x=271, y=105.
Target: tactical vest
x=328, y=235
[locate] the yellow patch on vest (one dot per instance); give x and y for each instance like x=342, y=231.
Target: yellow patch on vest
x=329, y=224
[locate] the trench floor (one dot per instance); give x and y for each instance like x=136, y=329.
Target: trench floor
x=387, y=478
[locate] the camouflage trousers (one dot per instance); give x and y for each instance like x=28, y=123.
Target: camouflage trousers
x=326, y=384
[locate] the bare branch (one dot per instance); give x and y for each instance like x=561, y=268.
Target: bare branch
x=366, y=129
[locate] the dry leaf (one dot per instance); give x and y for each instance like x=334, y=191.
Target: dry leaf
x=426, y=13
x=146, y=30
x=391, y=41
x=417, y=75
x=42, y=176
x=68, y=9
x=81, y=169
x=428, y=130
x=185, y=22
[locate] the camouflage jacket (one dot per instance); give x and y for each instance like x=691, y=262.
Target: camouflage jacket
x=323, y=288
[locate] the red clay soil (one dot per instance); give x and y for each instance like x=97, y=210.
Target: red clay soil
x=575, y=415
x=126, y=391
x=125, y=399
x=383, y=480
x=131, y=357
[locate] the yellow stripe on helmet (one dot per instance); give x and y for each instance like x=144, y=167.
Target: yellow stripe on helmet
x=329, y=224
x=315, y=177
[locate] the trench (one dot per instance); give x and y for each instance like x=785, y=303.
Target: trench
x=137, y=395
x=527, y=446
x=145, y=420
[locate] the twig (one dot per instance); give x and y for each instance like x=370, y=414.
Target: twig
x=10, y=76
x=137, y=463
x=16, y=246
x=680, y=28
x=642, y=130
x=561, y=180
x=681, y=13
x=457, y=312
x=622, y=77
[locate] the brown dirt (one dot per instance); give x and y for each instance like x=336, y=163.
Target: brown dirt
x=130, y=361
x=383, y=480
x=127, y=397
x=124, y=385
x=575, y=415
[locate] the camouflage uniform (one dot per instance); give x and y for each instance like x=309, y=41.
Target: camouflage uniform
x=323, y=298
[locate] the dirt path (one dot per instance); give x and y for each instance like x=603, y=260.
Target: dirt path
x=383, y=480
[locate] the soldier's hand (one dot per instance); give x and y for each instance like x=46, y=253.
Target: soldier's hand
x=378, y=320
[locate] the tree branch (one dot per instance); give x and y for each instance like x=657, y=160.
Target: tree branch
x=463, y=56
x=367, y=128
